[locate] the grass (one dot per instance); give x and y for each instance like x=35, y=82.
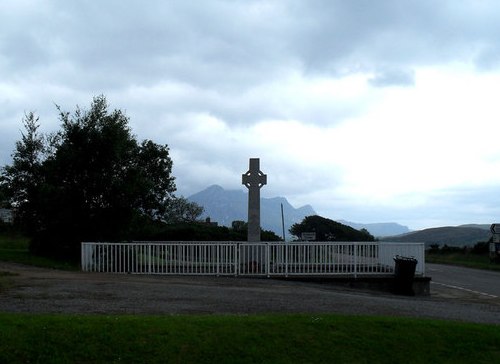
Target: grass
x=243, y=339
x=14, y=247
x=470, y=260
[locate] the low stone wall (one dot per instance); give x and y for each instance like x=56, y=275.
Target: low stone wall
x=420, y=287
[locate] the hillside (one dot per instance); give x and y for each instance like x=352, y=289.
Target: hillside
x=479, y=226
x=225, y=206
x=449, y=235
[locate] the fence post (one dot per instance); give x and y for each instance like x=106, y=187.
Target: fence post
x=82, y=259
x=423, y=259
x=355, y=260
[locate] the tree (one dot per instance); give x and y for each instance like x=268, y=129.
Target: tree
x=93, y=183
x=329, y=230
x=240, y=229
x=4, y=199
x=180, y=210
x=20, y=181
x=239, y=225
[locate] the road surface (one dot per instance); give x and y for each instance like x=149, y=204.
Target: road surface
x=37, y=290
x=475, y=281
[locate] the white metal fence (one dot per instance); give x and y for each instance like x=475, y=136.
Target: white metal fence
x=248, y=259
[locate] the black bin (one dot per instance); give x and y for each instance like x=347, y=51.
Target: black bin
x=404, y=273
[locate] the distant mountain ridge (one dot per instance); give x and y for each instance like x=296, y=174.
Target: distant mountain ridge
x=379, y=229
x=449, y=235
x=225, y=206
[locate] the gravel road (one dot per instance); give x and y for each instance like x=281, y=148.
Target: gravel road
x=38, y=290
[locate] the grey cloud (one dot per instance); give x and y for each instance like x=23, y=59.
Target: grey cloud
x=218, y=45
x=393, y=77
x=235, y=46
x=339, y=37
x=227, y=54
x=488, y=57
x=239, y=44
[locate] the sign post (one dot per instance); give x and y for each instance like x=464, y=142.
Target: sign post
x=495, y=243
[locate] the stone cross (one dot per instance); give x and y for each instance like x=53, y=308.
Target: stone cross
x=254, y=179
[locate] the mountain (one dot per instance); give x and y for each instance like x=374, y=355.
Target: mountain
x=479, y=226
x=225, y=206
x=379, y=229
x=449, y=235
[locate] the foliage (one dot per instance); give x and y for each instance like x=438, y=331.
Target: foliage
x=479, y=248
x=13, y=240
x=477, y=261
x=329, y=230
x=14, y=247
x=196, y=231
x=243, y=339
x=445, y=249
x=92, y=180
x=4, y=199
x=266, y=235
x=239, y=225
x=475, y=257
x=180, y=210
x=21, y=181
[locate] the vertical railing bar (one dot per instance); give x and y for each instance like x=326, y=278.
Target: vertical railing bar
x=268, y=258
x=149, y=258
x=218, y=257
x=287, y=248
x=355, y=260
x=237, y=258
x=98, y=257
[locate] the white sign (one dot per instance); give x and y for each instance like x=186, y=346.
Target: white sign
x=308, y=236
x=495, y=228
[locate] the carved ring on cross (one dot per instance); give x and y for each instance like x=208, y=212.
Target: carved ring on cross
x=252, y=179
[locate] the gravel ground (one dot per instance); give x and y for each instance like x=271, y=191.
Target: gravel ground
x=38, y=290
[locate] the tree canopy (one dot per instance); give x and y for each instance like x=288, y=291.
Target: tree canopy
x=329, y=230
x=91, y=180
x=201, y=231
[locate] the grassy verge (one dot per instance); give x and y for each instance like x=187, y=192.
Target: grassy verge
x=470, y=260
x=14, y=248
x=243, y=339
x=4, y=280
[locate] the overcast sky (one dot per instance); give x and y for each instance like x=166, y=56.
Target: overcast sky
x=370, y=111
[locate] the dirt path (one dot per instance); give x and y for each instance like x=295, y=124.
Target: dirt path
x=40, y=290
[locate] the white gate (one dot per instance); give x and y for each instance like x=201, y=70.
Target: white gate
x=249, y=259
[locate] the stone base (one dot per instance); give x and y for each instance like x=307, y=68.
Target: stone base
x=420, y=286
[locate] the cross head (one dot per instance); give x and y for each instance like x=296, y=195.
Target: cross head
x=254, y=177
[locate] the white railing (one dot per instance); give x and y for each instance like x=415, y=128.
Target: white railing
x=247, y=259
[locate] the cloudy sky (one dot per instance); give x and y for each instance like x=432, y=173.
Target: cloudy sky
x=370, y=111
